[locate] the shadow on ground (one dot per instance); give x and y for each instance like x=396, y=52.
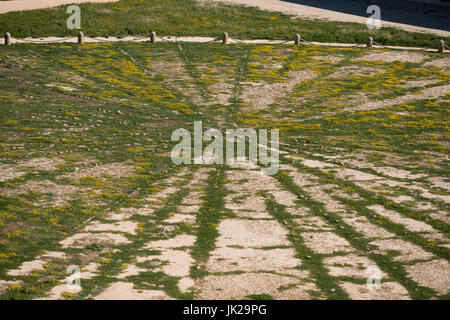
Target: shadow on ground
x=400, y=11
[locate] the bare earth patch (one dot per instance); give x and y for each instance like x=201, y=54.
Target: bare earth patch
x=434, y=274
x=312, y=223
x=326, y=242
x=81, y=240
x=8, y=172
x=363, y=226
x=126, y=291
x=388, y=291
x=398, y=173
x=177, y=263
x=115, y=170
x=427, y=93
x=349, y=266
x=355, y=175
x=131, y=270
x=252, y=233
x=407, y=251
x=411, y=224
x=123, y=226
x=173, y=70
x=240, y=286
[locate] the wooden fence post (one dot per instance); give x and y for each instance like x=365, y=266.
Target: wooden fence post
x=80, y=37
x=441, y=46
x=7, y=38
x=225, y=39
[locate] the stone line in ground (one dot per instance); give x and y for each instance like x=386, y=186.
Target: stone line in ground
x=373, y=182
x=309, y=183
x=341, y=259
x=111, y=233
x=253, y=254
x=427, y=93
x=254, y=228
x=376, y=184
x=428, y=205
x=421, y=263
x=174, y=258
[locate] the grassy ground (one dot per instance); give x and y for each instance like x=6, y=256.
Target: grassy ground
x=92, y=138
x=189, y=18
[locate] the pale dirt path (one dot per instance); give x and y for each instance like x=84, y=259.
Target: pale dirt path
x=88, y=39
x=308, y=12
x=21, y=5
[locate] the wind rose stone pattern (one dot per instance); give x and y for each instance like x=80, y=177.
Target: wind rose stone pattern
x=86, y=177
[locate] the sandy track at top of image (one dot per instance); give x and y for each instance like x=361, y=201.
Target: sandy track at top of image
x=20, y=5
x=308, y=12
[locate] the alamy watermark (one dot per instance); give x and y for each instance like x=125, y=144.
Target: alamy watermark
x=374, y=20
x=257, y=141
x=73, y=281
x=74, y=20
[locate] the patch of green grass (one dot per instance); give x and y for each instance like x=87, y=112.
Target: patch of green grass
x=191, y=18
